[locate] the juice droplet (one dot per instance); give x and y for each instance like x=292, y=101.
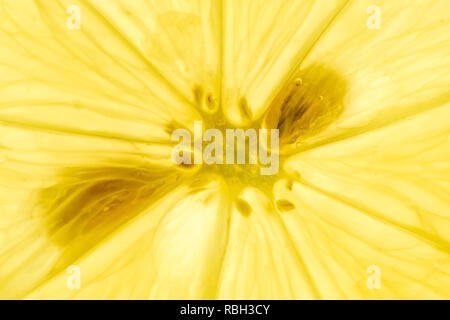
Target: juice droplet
x=243, y=207
x=210, y=101
x=298, y=82
x=284, y=205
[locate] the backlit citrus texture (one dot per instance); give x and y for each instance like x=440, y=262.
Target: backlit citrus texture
x=87, y=178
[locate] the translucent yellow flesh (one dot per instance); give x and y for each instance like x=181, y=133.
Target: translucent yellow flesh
x=86, y=177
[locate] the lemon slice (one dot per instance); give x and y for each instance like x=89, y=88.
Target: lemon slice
x=93, y=207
